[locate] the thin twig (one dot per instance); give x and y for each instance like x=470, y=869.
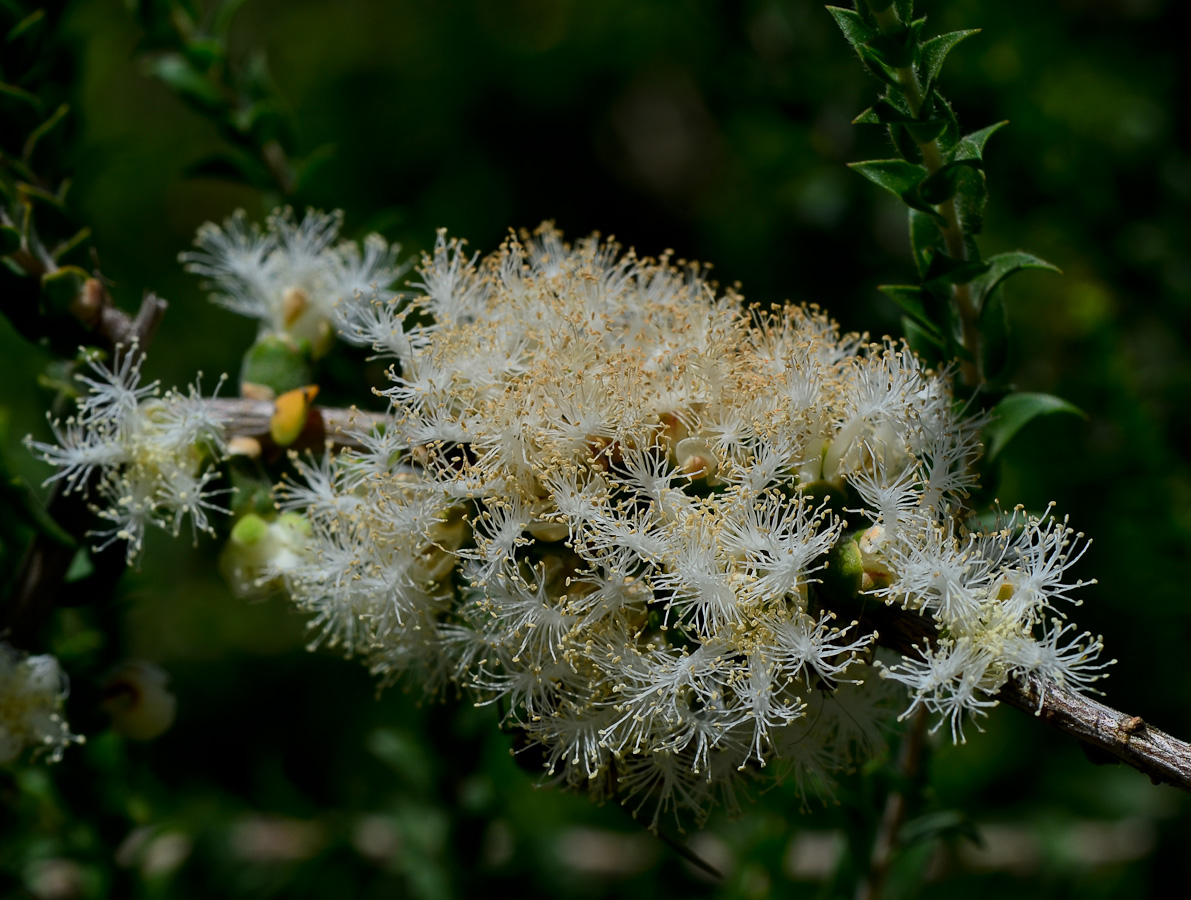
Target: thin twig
x=888, y=835
x=244, y=418
x=1132, y=740
x=1165, y=759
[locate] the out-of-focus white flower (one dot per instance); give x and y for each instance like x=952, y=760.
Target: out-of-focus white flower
x=136, y=697
x=32, y=691
x=291, y=276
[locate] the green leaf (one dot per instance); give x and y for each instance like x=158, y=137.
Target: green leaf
x=896, y=49
x=205, y=53
x=70, y=244
x=935, y=50
x=42, y=130
x=853, y=27
x=11, y=90
x=62, y=287
x=995, y=348
x=1004, y=265
x=177, y=73
x=936, y=825
x=80, y=567
x=235, y=167
x=27, y=26
x=22, y=501
x=971, y=197
x=885, y=111
x=32, y=192
x=1016, y=411
x=971, y=146
x=940, y=110
x=925, y=132
x=911, y=299
x=922, y=342
x=10, y=239
x=946, y=270
x=895, y=175
x=878, y=67
x=925, y=240
x=278, y=362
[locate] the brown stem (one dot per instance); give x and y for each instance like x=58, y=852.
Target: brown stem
x=1165, y=759
x=1130, y=739
x=244, y=418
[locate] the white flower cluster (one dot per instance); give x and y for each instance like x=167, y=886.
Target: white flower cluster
x=290, y=276
x=32, y=690
x=143, y=456
x=598, y=503
x=643, y=519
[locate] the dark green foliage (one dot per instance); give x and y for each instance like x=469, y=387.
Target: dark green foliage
x=939, y=177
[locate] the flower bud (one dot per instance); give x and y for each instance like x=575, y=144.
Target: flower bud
x=136, y=697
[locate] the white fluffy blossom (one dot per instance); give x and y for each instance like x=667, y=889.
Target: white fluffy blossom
x=142, y=457
x=639, y=518
x=598, y=504
x=32, y=691
x=291, y=276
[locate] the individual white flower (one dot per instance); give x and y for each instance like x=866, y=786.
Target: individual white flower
x=32, y=692
x=142, y=458
x=291, y=276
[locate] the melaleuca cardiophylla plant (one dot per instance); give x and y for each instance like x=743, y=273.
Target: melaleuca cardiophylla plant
x=650, y=523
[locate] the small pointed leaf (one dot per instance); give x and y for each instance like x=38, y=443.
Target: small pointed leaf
x=934, y=51
x=1015, y=412
x=16, y=93
x=27, y=27
x=946, y=270
x=995, y=348
x=10, y=239
x=42, y=130
x=925, y=132
x=925, y=240
x=971, y=146
x=62, y=287
x=971, y=198
x=921, y=341
x=1004, y=265
x=895, y=175
x=852, y=25
x=896, y=49
x=177, y=73
x=911, y=300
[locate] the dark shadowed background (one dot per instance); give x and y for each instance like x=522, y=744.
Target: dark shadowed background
x=720, y=130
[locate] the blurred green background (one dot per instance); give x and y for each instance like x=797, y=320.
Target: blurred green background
x=721, y=130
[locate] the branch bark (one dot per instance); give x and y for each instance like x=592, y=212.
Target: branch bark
x=1128, y=738
x=1132, y=740
x=245, y=418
